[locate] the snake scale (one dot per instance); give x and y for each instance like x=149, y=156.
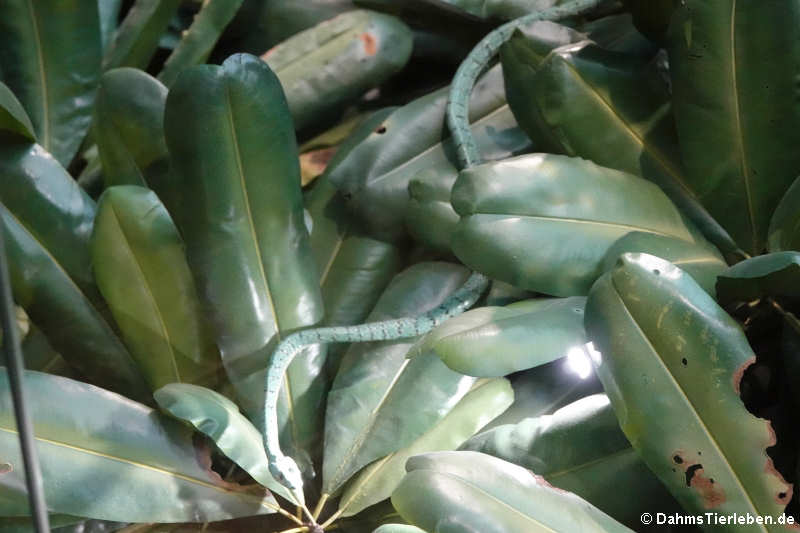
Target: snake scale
x=283, y=468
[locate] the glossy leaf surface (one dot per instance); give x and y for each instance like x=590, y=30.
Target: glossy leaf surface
x=126, y=462
x=136, y=39
x=544, y=222
x=198, y=41
x=670, y=357
x=784, y=228
x=333, y=63
x=730, y=105
x=580, y=448
x=430, y=217
x=141, y=269
x=14, y=120
x=375, y=174
x=235, y=184
x=775, y=274
x=607, y=107
x=51, y=61
x=451, y=492
x=380, y=402
x=129, y=128
x=45, y=199
x=486, y=400
x=219, y=418
x=398, y=528
x=495, y=341
x=702, y=262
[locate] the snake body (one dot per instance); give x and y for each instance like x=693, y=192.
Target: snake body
x=283, y=468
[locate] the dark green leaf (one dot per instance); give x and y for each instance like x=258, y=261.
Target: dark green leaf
x=544, y=222
x=618, y=34
x=129, y=128
x=581, y=449
x=462, y=492
x=336, y=61
x=738, y=114
x=216, y=416
x=71, y=323
x=104, y=456
x=486, y=400
x=51, y=60
x=652, y=17
x=13, y=118
x=429, y=216
x=136, y=40
x=702, y=262
x=495, y=341
x=198, y=41
x=607, y=107
x=141, y=269
x=775, y=274
x=41, y=356
x=45, y=199
x=784, y=229
x=235, y=185
x=380, y=402
x=375, y=174
x=108, y=11
x=670, y=357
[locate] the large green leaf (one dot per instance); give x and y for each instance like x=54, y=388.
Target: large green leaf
x=14, y=120
x=702, y=262
x=141, y=269
x=136, y=39
x=775, y=274
x=607, y=107
x=374, y=175
x=544, y=389
x=738, y=114
x=336, y=61
x=544, y=222
x=198, y=41
x=354, y=269
x=51, y=60
x=20, y=524
x=381, y=402
x=235, y=187
x=580, y=448
x=216, y=416
x=108, y=13
x=429, y=216
x=463, y=492
x=671, y=361
x=784, y=228
x=63, y=312
x=45, y=199
x=486, y=400
x=495, y=341
x=618, y=33
x=104, y=456
x=129, y=128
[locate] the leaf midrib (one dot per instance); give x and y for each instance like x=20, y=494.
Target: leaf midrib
x=135, y=464
x=683, y=396
x=579, y=221
x=153, y=302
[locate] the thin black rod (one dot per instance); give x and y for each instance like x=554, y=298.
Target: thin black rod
x=15, y=365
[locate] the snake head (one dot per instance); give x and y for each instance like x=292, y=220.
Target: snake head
x=286, y=472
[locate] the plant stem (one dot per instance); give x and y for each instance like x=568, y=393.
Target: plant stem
x=321, y=505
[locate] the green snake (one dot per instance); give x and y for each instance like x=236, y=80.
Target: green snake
x=283, y=468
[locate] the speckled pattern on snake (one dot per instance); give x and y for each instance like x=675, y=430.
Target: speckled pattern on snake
x=283, y=468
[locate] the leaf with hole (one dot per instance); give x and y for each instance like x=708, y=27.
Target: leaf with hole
x=669, y=357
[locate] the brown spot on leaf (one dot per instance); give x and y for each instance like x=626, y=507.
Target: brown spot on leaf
x=313, y=163
x=712, y=494
x=544, y=483
x=370, y=43
x=737, y=376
